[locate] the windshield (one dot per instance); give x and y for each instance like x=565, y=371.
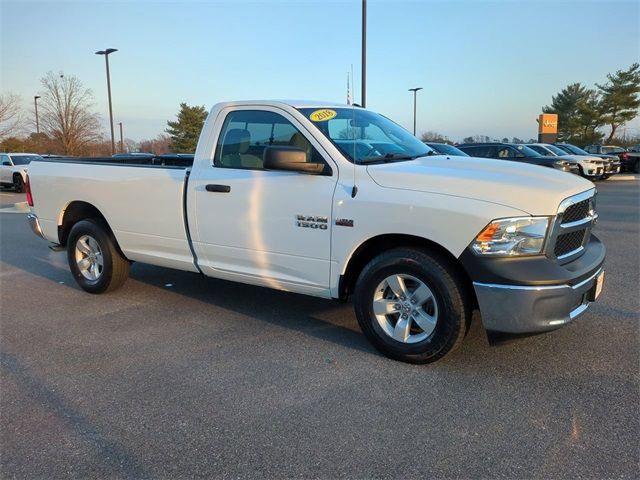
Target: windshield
x=556, y=150
x=364, y=136
x=24, y=159
x=612, y=150
x=446, y=149
x=526, y=151
x=575, y=150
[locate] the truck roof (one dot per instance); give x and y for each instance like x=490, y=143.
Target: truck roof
x=291, y=103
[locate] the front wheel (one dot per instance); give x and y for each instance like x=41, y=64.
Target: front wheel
x=18, y=184
x=94, y=260
x=412, y=305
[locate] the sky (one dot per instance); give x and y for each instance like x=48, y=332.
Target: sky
x=486, y=68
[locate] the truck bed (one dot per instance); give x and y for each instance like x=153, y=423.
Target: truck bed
x=142, y=200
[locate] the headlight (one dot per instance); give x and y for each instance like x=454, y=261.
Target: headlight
x=512, y=236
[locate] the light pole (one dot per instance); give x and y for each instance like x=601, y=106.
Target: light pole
x=35, y=102
x=121, y=139
x=364, y=54
x=106, y=59
x=414, y=90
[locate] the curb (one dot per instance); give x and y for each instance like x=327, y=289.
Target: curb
x=620, y=177
x=21, y=207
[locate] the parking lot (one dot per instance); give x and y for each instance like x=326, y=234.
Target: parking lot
x=177, y=375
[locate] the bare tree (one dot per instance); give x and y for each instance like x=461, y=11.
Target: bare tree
x=431, y=136
x=66, y=115
x=11, y=115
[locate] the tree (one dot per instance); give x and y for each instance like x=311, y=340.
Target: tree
x=65, y=113
x=159, y=145
x=576, y=106
x=11, y=119
x=184, y=132
x=431, y=136
x=516, y=140
x=620, y=98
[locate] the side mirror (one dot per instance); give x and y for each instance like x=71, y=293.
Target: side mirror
x=292, y=159
x=6, y=164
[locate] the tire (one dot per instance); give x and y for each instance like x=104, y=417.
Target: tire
x=18, y=184
x=94, y=259
x=446, y=314
x=636, y=166
x=604, y=177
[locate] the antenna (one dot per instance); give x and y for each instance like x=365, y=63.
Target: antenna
x=354, y=190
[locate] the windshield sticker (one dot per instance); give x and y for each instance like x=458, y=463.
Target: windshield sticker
x=322, y=115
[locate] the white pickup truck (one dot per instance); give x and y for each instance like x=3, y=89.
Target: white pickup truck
x=331, y=200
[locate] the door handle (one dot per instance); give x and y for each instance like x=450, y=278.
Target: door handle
x=218, y=188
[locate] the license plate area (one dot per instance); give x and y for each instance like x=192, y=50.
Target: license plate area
x=596, y=290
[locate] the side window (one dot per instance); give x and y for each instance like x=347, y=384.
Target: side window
x=506, y=152
x=246, y=133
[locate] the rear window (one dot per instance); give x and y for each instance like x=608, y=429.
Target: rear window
x=24, y=159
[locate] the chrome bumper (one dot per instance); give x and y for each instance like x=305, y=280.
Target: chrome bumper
x=35, y=225
x=529, y=309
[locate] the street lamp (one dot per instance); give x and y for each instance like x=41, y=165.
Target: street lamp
x=35, y=102
x=414, y=90
x=106, y=59
x=121, y=139
x=364, y=54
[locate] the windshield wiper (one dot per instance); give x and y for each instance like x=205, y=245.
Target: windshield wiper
x=388, y=157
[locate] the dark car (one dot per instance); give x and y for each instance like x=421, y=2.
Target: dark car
x=612, y=165
x=515, y=153
x=446, y=149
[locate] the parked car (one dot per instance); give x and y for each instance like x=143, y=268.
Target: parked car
x=13, y=172
x=516, y=153
x=270, y=199
x=634, y=148
x=612, y=162
x=629, y=161
x=589, y=167
x=446, y=149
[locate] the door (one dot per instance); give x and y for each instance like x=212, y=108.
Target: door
x=5, y=170
x=270, y=228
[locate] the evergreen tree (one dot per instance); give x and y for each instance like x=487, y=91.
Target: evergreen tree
x=185, y=131
x=620, y=98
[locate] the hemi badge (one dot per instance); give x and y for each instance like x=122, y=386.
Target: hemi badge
x=344, y=222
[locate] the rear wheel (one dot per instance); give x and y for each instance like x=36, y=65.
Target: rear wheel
x=18, y=184
x=636, y=166
x=94, y=260
x=412, y=305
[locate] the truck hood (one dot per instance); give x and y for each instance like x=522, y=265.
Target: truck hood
x=532, y=189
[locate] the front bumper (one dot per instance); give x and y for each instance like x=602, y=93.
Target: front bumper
x=534, y=293
x=34, y=223
x=530, y=309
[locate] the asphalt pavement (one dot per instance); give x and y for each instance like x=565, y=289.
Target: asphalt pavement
x=180, y=376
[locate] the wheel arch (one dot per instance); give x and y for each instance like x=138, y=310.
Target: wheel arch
x=374, y=246
x=76, y=211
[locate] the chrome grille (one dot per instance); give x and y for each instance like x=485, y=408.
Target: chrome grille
x=568, y=242
x=577, y=211
x=572, y=227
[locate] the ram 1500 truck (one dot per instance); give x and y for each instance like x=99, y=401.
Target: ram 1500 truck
x=332, y=200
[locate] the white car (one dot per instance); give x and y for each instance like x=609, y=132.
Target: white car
x=331, y=200
x=590, y=167
x=13, y=169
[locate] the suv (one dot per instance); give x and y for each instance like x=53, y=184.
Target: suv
x=515, y=153
x=13, y=172
x=628, y=161
x=589, y=167
x=612, y=162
